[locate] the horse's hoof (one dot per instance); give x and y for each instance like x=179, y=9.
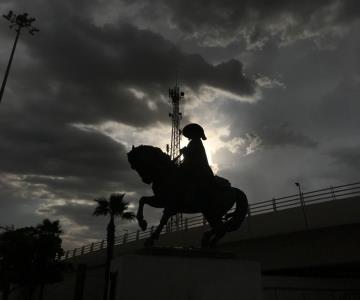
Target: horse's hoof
x=149, y=242
x=142, y=224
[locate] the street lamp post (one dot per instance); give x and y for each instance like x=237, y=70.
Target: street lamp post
x=302, y=204
x=18, y=22
x=125, y=236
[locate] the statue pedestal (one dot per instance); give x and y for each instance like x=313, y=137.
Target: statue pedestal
x=184, y=275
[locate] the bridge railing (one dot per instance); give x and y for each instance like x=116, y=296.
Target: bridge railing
x=275, y=204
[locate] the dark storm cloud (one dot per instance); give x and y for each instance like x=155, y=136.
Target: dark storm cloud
x=283, y=136
x=318, y=101
x=338, y=110
x=264, y=120
x=76, y=72
x=87, y=71
x=349, y=10
x=113, y=57
x=82, y=73
x=350, y=156
x=217, y=21
x=62, y=151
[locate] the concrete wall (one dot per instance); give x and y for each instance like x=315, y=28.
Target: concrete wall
x=182, y=278
x=300, y=288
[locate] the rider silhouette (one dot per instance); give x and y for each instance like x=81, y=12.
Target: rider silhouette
x=195, y=166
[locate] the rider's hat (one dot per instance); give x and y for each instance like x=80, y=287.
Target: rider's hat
x=193, y=131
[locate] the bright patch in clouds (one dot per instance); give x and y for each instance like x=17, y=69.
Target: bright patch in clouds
x=127, y=135
x=137, y=93
x=209, y=93
x=141, y=95
x=205, y=109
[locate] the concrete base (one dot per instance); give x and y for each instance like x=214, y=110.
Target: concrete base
x=155, y=277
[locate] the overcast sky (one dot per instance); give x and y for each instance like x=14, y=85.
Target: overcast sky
x=275, y=86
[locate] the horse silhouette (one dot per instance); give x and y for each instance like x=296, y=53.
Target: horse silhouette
x=173, y=194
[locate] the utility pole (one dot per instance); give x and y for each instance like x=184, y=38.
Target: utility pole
x=17, y=22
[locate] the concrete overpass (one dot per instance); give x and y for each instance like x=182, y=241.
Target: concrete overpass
x=308, y=245
x=315, y=229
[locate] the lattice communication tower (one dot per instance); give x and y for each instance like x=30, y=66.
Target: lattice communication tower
x=174, y=151
x=175, y=97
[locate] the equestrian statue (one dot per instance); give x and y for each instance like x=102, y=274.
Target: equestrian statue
x=189, y=187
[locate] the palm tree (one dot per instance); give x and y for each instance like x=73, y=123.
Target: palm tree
x=114, y=207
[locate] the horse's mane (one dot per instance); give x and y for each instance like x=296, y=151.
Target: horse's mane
x=149, y=154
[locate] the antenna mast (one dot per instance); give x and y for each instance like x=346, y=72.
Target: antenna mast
x=175, y=97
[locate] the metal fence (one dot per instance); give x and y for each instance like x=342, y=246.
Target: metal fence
x=276, y=204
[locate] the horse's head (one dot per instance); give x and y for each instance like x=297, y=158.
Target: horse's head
x=148, y=161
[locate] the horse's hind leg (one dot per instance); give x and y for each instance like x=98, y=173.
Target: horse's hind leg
x=205, y=241
x=218, y=235
x=217, y=232
x=155, y=235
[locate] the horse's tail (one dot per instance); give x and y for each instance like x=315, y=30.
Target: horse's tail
x=236, y=218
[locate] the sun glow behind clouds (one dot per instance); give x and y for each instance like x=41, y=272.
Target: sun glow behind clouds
x=202, y=107
x=157, y=136
x=205, y=108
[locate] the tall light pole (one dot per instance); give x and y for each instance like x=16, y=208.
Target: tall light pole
x=302, y=202
x=17, y=22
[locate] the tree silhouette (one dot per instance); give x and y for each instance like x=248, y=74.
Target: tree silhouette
x=28, y=258
x=49, y=247
x=114, y=207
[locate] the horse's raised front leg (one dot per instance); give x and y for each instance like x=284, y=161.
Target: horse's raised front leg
x=155, y=235
x=140, y=213
x=153, y=201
